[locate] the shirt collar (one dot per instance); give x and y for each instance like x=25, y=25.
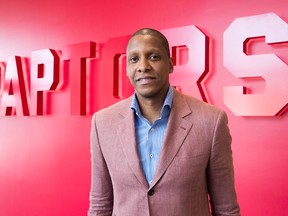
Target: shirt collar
x=167, y=103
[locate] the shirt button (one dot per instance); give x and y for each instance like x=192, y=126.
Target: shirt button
x=151, y=192
x=151, y=155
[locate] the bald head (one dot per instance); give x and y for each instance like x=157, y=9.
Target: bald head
x=155, y=33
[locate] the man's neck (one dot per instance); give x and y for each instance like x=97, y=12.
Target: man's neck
x=151, y=110
x=151, y=107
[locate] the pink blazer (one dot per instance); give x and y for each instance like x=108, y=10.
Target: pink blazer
x=196, y=161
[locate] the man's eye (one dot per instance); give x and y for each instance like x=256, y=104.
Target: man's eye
x=133, y=59
x=154, y=57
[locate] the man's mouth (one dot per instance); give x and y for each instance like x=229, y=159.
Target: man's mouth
x=145, y=80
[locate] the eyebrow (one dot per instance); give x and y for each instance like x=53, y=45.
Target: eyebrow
x=153, y=50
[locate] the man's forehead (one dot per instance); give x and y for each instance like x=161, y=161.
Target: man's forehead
x=144, y=41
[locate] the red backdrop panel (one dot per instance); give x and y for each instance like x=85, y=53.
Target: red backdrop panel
x=45, y=159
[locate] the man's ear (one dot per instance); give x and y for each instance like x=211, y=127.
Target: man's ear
x=171, y=64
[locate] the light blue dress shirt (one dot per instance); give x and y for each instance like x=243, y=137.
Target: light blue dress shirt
x=150, y=137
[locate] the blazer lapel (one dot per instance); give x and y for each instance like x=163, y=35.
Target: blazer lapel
x=127, y=137
x=177, y=129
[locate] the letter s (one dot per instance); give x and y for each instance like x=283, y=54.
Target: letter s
x=267, y=66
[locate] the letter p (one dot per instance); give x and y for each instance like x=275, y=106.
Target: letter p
x=44, y=77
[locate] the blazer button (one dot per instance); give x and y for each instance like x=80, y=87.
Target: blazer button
x=151, y=192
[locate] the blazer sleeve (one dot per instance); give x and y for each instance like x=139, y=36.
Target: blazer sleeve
x=101, y=193
x=220, y=171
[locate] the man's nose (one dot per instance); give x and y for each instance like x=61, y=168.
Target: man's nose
x=144, y=66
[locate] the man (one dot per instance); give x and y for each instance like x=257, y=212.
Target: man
x=159, y=152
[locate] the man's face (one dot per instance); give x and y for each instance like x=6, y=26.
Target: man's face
x=148, y=66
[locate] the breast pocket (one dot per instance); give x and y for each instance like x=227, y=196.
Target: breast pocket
x=187, y=173
x=189, y=164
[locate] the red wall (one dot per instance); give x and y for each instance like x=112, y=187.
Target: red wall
x=45, y=159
